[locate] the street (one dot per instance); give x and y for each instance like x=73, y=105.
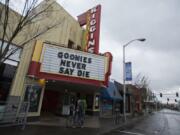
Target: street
x=165, y=122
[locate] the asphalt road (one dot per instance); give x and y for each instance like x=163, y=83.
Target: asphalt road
x=165, y=122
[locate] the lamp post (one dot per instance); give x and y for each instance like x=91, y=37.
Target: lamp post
x=124, y=75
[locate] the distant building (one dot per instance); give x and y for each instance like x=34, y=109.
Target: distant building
x=111, y=100
x=136, y=98
x=128, y=97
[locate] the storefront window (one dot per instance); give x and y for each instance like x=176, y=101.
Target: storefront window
x=7, y=73
x=7, y=70
x=4, y=91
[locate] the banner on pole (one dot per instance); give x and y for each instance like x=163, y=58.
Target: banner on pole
x=128, y=71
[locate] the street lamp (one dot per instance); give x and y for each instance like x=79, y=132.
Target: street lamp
x=124, y=74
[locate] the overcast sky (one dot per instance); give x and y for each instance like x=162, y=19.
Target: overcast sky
x=156, y=20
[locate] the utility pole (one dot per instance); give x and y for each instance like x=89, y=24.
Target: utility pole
x=124, y=75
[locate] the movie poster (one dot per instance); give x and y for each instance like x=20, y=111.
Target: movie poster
x=33, y=94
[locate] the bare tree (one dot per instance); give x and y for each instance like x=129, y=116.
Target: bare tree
x=22, y=22
x=141, y=81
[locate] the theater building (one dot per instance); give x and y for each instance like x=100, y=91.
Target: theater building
x=63, y=64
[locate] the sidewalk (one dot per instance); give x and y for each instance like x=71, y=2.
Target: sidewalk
x=105, y=125
x=90, y=121
x=109, y=125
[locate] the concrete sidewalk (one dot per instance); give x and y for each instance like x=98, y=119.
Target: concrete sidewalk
x=105, y=125
x=108, y=126
x=90, y=121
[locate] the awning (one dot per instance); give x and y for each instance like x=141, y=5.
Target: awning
x=111, y=92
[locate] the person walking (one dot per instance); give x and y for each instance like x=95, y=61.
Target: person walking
x=80, y=119
x=84, y=107
x=72, y=114
x=117, y=114
x=76, y=115
x=79, y=115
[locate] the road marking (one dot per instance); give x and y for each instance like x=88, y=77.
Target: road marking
x=132, y=133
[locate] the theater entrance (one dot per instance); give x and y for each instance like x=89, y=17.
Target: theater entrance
x=55, y=102
x=58, y=96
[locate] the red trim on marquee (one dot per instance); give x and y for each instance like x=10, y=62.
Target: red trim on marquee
x=69, y=79
x=33, y=68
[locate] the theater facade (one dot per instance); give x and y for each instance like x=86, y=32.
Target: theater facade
x=63, y=65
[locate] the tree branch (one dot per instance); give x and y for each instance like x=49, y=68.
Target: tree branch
x=29, y=40
x=24, y=20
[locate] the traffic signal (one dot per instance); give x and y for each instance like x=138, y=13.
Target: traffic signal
x=177, y=94
x=160, y=94
x=167, y=99
x=175, y=100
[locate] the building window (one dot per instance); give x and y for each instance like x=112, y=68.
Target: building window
x=8, y=69
x=79, y=47
x=70, y=44
x=15, y=57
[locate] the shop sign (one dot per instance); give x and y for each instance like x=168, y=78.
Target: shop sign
x=73, y=63
x=91, y=36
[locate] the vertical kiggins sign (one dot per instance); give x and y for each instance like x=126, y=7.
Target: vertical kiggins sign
x=91, y=19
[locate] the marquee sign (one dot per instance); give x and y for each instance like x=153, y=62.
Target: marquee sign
x=52, y=62
x=91, y=19
x=73, y=63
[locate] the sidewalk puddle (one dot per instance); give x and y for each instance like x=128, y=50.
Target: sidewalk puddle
x=129, y=133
